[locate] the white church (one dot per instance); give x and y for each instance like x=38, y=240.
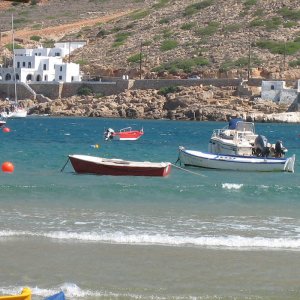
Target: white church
x=43, y=64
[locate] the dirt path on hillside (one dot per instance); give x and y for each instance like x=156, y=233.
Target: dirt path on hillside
x=60, y=30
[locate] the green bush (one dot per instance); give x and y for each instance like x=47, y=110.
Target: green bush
x=248, y=3
x=209, y=30
x=168, y=45
x=168, y=90
x=161, y=3
x=84, y=91
x=48, y=43
x=231, y=28
x=35, y=38
x=140, y=14
x=188, y=26
x=120, y=38
x=82, y=62
x=185, y=65
x=290, y=14
x=10, y=46
x=241, y=62
x=269, y=24
x=164, y=21
x=275, y=47
x=136, y=58
x=290, y=24
x=37, y=26
x=167, y=33
x=194, y=8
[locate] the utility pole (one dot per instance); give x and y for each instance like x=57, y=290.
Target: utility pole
x=141, y=51
x=284, y=56
x=69, y=51
x=249, y=56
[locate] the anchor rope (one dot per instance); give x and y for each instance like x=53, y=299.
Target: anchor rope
x=65, y=164
x=188, y=171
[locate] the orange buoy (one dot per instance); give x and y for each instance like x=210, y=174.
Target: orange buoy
x=8, y=167
x=6, y=129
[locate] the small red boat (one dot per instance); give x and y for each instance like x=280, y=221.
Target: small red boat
x=118, y=167
x=125, y=134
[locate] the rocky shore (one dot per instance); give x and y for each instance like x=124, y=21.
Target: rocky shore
x=200, y=103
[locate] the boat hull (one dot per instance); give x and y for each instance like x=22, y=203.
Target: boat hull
x=233, y=162
x=117, y=167
x=20, y=113
x=25, y=295
x=127, y=136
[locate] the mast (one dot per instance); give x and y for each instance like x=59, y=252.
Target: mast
x=13, y=48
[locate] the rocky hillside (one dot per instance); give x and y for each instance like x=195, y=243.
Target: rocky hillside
x=211, y=38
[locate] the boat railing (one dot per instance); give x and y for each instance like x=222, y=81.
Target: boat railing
x=126, y=129
x=223, y=133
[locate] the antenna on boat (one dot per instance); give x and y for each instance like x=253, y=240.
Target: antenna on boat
x=13, y=49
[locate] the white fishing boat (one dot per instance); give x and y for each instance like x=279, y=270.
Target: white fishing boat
x=235, y=162
x=237, y=138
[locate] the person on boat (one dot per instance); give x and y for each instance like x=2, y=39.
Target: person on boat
x=279, y=149
x=108, y=134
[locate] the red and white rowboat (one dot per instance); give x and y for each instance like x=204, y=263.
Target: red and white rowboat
x=125, y=134
x=118, y=167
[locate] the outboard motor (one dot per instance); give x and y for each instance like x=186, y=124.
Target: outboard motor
x=279, y=150
x=108, y=134
x=261, y=146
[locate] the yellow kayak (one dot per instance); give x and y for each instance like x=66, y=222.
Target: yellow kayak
x=25, y=295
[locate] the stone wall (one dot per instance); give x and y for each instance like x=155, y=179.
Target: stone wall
x=48, y=89
x=56, y=90
x=160, y=83
x=103, y=88
x=8, y=90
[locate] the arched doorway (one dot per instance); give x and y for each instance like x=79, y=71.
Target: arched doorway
x=29, y=77
x=7, y=77
x=17, y=77
x=38, y=78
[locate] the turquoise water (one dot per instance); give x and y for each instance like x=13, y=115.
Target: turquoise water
x=210, y=235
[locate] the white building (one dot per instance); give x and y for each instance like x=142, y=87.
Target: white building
x=278, y=92
x=43, y=64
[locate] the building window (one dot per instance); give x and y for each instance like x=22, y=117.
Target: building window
x=72, y=78
x=57, y=54
x=45, y=78
x=29, y=64
x=272, y=87
x=59, y=77
x=17, y=77
x=18, y=64
x=24, y=64
x=45, y=67
x=38, y=78
x=60, y=69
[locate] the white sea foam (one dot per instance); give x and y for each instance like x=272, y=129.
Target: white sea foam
x=232, y=186
x=73, y=291
x=233, y=242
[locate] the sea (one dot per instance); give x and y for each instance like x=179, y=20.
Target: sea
x=196, y=234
